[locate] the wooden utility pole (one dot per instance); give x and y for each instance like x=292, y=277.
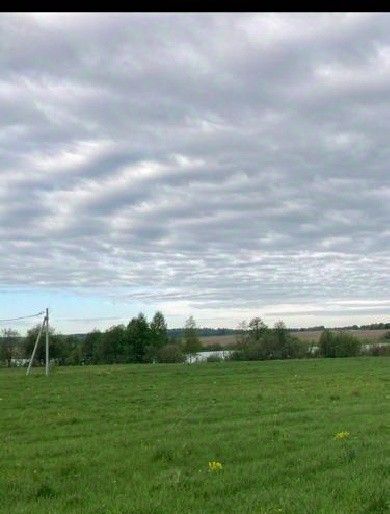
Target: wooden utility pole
x=47, y=341
x=45, y=325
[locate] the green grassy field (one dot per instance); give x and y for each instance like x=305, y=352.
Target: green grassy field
x=138, y=438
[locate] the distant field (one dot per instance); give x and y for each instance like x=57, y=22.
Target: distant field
x=137, y=439
x=371, y=335
x=310, y=335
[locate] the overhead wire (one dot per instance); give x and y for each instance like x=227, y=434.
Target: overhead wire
x=22, y=317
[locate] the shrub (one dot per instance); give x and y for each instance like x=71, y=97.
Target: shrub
x=326, y=346
x=271, y=344
x=214, y=358
x=339, y=344
x=237, y=355
x=170, y=353
x=378, y=350
x=312, y=349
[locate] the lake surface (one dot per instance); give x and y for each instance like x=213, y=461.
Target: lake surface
x=203, y=356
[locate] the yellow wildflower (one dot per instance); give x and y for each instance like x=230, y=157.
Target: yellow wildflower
x=215, y=466
x=342, y=435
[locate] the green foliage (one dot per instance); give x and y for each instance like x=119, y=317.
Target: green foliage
x=339, y=344
x=311, y=349
x=66, y=349
x=91, y=346
x=59, y=349
x=326, y=345
x=378, y=350
x=158, y=333
x=258, y=342
x=141, y=341
x=8, y=345
x=170, y=353
x=192, y=343
x=138, y=342
x=214, y=358
x=113, y=345
x=139, y=338
x=257, y=329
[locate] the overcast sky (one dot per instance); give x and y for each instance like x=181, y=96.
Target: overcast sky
x=215, y=165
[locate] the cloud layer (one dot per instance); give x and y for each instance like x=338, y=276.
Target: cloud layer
x=213, y=162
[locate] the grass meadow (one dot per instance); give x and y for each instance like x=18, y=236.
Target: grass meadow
x=139, y=438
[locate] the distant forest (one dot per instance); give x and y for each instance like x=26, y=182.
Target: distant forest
x=205, y=332
x=209, y=332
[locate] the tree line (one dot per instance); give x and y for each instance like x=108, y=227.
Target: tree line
x=138, y=341
x=141, y=341
x=259, y=342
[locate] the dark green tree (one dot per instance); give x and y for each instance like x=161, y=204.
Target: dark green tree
x=9, y=340
x=258, y=342
x=339, y=344
x=257, y=329
x=158, y=331
x=171, y=353
x=112, y=347
x=138, y=338
x=71, y=349
x=326, y=344
x=191, y=340
x=91, y=346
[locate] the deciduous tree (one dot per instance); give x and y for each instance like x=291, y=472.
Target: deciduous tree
x=8, y=341
x=192, y=342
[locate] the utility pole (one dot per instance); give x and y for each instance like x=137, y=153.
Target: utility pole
x=44, y=326
x=35, y=346
x=47, y=341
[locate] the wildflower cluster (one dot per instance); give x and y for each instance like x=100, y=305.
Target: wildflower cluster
x=340, y=436
x=215, y=466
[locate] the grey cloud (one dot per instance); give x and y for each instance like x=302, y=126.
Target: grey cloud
x=220, y=161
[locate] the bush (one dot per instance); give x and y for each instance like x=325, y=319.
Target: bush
x=237, y=355
x=214, y=358
x=271, y=344
x=170, y=353
x=312, y=349
x=378, y=350
x=339, y=344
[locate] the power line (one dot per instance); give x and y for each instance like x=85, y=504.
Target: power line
x=22, y=317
